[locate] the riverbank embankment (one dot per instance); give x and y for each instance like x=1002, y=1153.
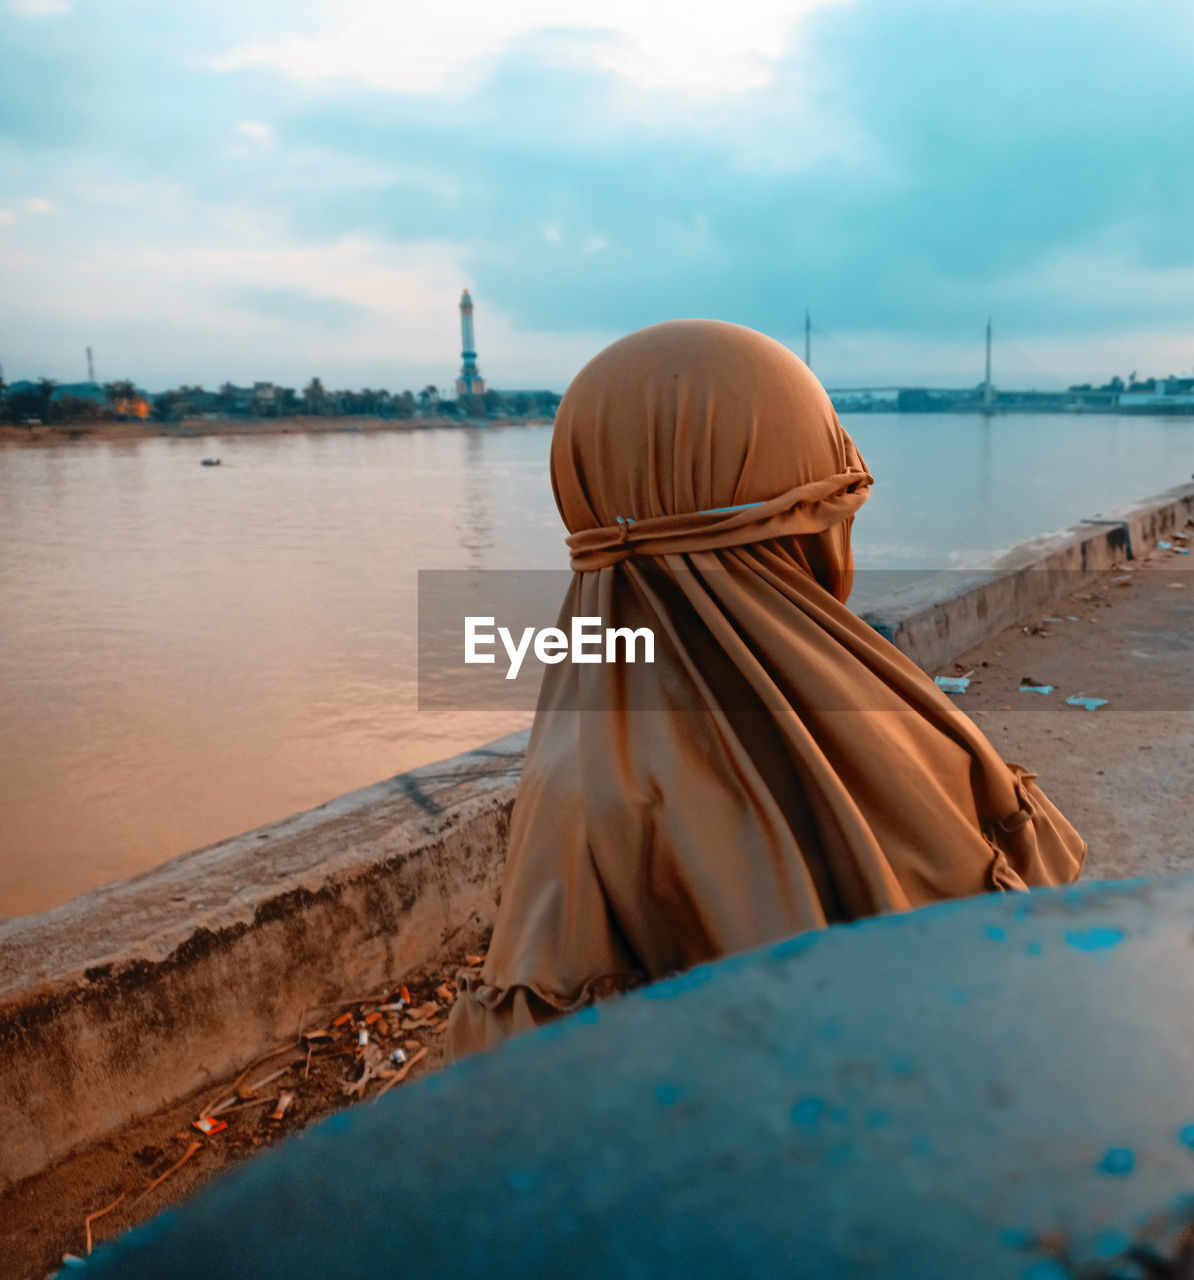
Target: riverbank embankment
x=187, y=428
x=121, y=1003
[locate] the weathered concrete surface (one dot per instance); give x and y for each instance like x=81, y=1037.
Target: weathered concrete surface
x=133, y=995
x=845, y=1103
x=137, y=993
x=935, y=619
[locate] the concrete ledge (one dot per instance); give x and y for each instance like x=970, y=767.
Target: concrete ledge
x=137, y=993
x=938, y=618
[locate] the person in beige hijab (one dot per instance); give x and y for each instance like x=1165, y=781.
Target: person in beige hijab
x=780, y=766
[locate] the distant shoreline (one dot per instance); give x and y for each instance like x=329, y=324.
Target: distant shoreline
x=188, y=428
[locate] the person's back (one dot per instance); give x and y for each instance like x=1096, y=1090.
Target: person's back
x=779, y=766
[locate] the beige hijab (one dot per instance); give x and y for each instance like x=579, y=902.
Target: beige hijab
x=780, y=766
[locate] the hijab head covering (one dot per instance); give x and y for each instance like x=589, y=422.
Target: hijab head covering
x=780, y=766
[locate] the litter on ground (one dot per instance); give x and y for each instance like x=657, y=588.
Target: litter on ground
x=372, y=1044
x=1030, y=686
x=1081, y=700
x=952, y=684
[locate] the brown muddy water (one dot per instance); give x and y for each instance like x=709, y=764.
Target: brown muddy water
x=188, y=652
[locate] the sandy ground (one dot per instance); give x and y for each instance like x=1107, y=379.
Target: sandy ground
x=59, y=433
x=1122, y=773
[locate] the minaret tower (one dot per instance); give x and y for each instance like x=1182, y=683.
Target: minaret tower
x=988, y=390
x=470, y=381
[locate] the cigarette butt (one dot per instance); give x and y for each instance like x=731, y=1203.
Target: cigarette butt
x=362, y=1037
x=285, y=1100
x=209, y=1125
x=342, y=1019
x=396, y=1077
x=372, y=1018
x=402, y=991
x=474, y=960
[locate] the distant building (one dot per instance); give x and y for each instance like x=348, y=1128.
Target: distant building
x=470, y=382
x=1167, y=395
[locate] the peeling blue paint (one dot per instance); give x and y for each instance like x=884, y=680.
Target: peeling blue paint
x=677, y=986
x=1186, y=1136
x=588, y=1014
x=994, y=932
x=524, y=1180
x=1118, y=1162
x=807, y=1112
x=1094, y=939
x=665, y=1095
x=1111, y=1242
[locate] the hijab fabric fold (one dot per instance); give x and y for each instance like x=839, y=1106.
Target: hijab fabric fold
x=780, y=766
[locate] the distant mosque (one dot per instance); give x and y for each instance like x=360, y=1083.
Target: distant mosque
x=470, y=382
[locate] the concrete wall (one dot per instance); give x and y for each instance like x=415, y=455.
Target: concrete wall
x=139, y=992
x=130, y=997
x=938, y=618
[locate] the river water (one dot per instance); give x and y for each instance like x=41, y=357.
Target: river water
x=188, y=652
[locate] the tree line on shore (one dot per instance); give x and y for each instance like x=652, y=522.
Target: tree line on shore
x=46, y=401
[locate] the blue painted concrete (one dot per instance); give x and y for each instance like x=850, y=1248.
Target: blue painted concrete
x=826, y=1107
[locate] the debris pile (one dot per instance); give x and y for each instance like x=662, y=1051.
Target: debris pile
x=355, y=1050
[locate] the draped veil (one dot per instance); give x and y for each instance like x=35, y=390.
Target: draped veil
x=780, y=766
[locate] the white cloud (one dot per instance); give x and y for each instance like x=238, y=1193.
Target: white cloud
x=258, y=130
x=39, y=8
x=595, y=244
x=7, y=217
x=667, y=44
x=37, y=204
x=551, y=235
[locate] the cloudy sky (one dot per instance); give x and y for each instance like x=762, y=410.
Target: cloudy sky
x=217, y=189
